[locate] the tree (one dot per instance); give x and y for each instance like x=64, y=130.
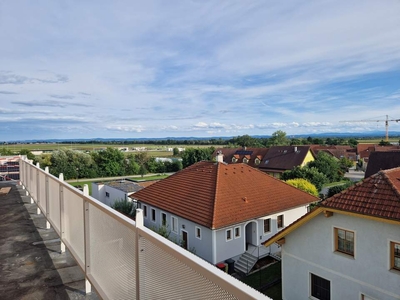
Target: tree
x=110, y=162
x=131, y=167
x=339, y=188
x=73, y=164
x=345, y=164
x=352, y=142
x=303, y=185
x=175, y=151
x=279, y=138
x=328, y=165
x=310, y=174
x=28, y=154
x=384, y=143
x=193, y=155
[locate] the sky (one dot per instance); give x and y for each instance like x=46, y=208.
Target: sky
x=132, y=69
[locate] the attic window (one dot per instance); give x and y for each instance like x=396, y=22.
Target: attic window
x=284, y=151
x=266, y=162
x=234, y=159
x=257, y=161
x=245, y=160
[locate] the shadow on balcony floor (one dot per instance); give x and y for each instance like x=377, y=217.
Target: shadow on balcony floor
x=31, y=266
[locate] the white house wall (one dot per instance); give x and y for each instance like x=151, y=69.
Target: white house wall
x=201, y=247
x=310, y=249
x=99, y=192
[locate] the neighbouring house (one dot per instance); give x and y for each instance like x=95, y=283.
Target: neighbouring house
x=111, y=191
x=338, y=151
x=219, y=210
x=364, y=150
x=348, y=247
x=283, y=158
x=249, y=156
x=382, y=161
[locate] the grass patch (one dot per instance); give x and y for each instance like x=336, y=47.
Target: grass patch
x=148, y=178
x=328, y=185
x=264, y=276
x=82, y=183
x=274, y=292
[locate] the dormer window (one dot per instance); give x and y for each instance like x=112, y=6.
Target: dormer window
x=257, y=161
x=266, y=162
x=245, y=160
x=234, y=159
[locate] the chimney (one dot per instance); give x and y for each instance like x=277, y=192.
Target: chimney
x=220, y=157
x=295, y=148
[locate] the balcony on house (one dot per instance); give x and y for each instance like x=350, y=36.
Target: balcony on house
x=60, y=242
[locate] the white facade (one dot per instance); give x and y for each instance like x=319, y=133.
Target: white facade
x=107, y=194
x=310, y=249
x=214, y=245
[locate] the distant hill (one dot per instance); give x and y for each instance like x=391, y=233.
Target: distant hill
x=372, y=134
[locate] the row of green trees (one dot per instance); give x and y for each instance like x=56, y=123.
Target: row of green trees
x=107, y=163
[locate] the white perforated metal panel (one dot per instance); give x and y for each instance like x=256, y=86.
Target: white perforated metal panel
x=112, y=255
x=163, y=276
x=54, y=203
x=42, y=191
x=73, y=219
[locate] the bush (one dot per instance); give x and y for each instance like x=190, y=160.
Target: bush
x=303, y=185
x=125, y=207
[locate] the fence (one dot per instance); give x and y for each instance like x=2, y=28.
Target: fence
x=121, y=258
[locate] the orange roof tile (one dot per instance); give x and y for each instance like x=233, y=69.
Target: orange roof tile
x=377, y=196
x=217, y=195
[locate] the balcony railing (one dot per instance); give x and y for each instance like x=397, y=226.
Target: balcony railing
x=121, y=258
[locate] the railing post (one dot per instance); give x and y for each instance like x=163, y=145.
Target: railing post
x=62, y=225
x=86, y=237
x=37, y=190
x=46, y=191
x=139, y=224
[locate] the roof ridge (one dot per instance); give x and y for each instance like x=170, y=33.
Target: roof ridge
x=215, y=194
x=393, y=187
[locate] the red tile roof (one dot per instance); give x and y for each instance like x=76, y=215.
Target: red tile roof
x=217, y=195
x=377, y=196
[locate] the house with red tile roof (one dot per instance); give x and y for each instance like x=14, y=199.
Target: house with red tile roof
x=249, y=156
x=348, y=247
x=219, y=210
x=283, y=158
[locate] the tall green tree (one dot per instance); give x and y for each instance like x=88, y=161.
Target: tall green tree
x=110, y=162
x=193, y=155
x=328, y=165
x=279, y=138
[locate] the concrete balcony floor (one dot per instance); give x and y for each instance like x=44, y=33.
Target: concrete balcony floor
x=31, y=265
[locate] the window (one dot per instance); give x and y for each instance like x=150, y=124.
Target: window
x=174, y=222
x=234, y=159
x=395, y=256
x=344, y=241
x=257, y=161
x=320, y=288
x=107, y=194
x=198, y=232
x=267, y=225
x=280, y=221
x=145, y=211
x=153, y=214
x=229, y=234
x=163, y=219
x=237, y=232
x=245, y=160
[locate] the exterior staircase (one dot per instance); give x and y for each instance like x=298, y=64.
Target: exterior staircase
x=245, y=263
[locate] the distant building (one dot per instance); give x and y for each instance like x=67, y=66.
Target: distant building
x=111, y=191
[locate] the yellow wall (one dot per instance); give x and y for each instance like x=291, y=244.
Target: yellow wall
x=309, y=157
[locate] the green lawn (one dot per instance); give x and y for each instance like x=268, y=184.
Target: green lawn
x=328, y=185
x=274, y=292
x=264, y=276
x=147, y=178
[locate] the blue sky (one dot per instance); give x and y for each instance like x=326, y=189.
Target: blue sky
x=126, y=69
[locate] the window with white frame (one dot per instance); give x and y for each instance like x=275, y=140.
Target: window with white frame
x=237, y=232
x=145, y=211
x=228, y=234
x=267, y=225
x=320, y=288
x=174, y=222
x=198, y=232
x=153, y=214
x=163, y=219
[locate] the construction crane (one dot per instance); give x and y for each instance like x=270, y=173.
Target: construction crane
x=387, y=120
